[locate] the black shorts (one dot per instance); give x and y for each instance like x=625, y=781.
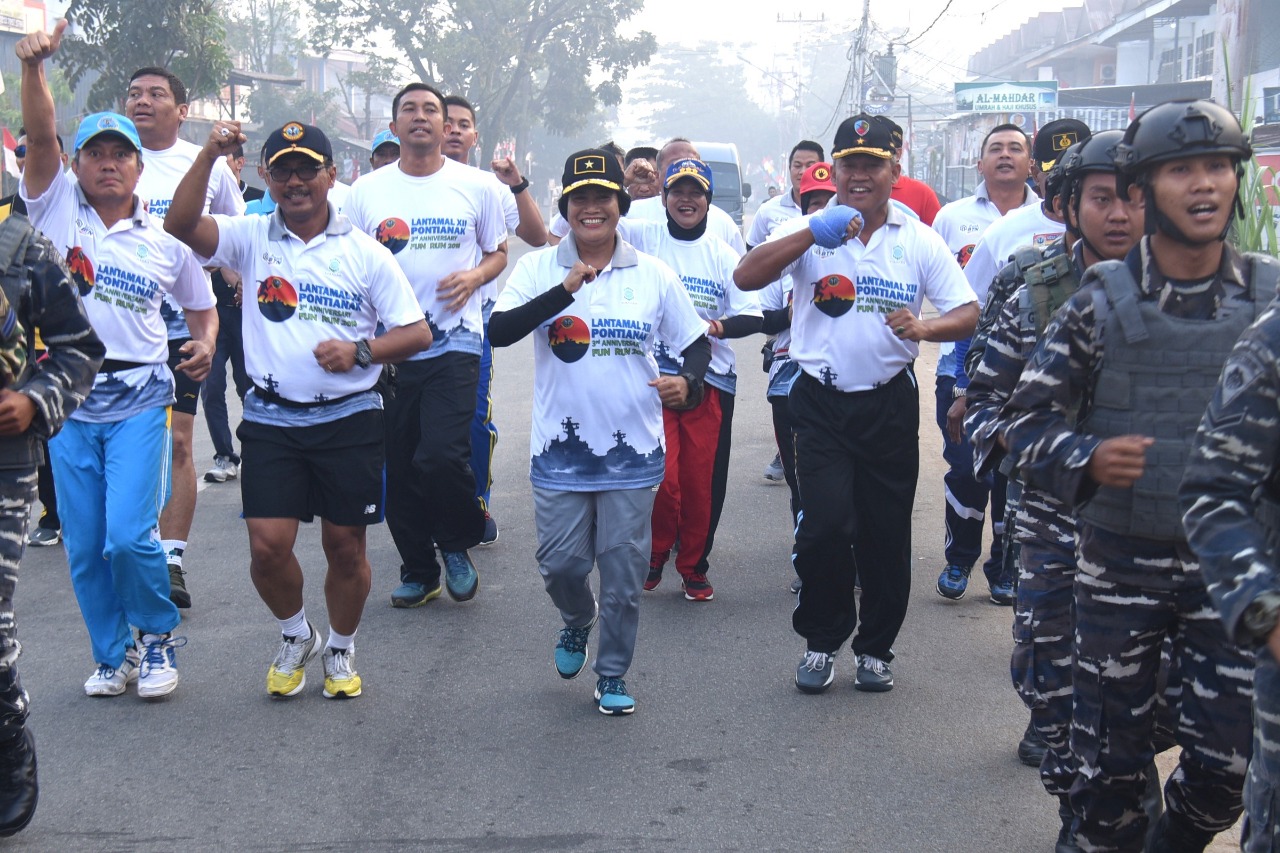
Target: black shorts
x=333, y=470
x=186, y=391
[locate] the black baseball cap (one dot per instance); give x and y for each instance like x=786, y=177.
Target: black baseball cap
x=592, y=167
x=1054, y=138
x=867, y=134
x=296, y=137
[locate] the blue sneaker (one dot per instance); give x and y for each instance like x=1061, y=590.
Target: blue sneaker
x=612, y=696
x=571, y=649
x=1002, y=593
x=410, y=594
x=953, y=582
x=460, y=576
x=816, y=672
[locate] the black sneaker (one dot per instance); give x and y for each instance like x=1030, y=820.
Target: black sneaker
x=178, y=586
x=816, y=672
x=490, y=530
x=874, y=675
x=1031, y=748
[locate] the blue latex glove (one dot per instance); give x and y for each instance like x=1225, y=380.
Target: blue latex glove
x=830, y=225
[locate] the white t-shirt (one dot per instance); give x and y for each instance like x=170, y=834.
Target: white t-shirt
x=597, y=425
x=511, y=214
x=774, y=296
x=123, y=273
x=1021, y=227
x=434, y=225
x=841, y=296
x=719, y=223
x=162, y=171
x=770, y=215
x=336, y=287
x=961, y=224
x=705, y=267
x=338, y=195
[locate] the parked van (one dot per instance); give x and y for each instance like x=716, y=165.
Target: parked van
x=728, y=192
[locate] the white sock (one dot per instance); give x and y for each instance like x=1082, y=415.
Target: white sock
x=173, y=549
x=341, y=641
x=296, y=625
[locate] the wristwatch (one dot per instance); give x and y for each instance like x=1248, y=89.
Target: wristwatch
x=1260, y=617
x=696, y=389
x=364, y=355
x=520, y=187
x=957, y=392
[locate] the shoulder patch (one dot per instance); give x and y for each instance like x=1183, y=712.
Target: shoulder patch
x=1238, y=376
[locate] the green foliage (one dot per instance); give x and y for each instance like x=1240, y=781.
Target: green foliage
x=522, y=63
x=11, y=106
x=1255, y=231
x=116, y=37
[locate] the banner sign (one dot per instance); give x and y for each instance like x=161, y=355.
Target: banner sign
x=1028, y=96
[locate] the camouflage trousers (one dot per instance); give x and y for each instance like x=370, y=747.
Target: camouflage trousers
x=17, y=494
x=1262, y=789
x=1120, y=629
x=1043, y=653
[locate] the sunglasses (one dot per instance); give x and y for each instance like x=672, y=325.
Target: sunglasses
x=20, y=151
x=281, y=174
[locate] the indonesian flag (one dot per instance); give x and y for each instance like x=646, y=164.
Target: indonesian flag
x=10, y=160
x=1133, y=106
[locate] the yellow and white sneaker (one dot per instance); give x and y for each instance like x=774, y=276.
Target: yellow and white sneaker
x=340, y=677
x=287, y=675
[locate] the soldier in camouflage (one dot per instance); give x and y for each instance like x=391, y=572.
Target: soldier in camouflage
x=1106, y=437
x=1230, y=494
x=36, y=294
x=1101, y=225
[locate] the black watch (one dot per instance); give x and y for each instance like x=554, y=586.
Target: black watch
x=364, y=355
x=520, y=187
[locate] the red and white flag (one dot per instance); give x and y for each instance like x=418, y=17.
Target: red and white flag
x=10, y=159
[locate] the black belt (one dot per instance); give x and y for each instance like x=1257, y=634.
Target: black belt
x=272, y=397
x=115, y=365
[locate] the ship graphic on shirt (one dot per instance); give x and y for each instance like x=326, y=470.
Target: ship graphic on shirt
x=457, y=338
x=570, y=457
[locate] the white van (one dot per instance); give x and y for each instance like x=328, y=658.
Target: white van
x=728, y=192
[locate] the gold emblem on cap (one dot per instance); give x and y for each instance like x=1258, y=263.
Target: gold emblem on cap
x=1063, y=141
x=292, y=131
x=588, y=165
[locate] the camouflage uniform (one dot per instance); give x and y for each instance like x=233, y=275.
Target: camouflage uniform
x=1230, y=493
x=1042, y=527
x=1138, y=585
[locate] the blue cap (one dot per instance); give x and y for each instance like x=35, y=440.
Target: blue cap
x=689, y=168
x=100, y=123
x=382, y=138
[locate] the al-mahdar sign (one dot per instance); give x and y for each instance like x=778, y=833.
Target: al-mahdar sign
x=1029, y=96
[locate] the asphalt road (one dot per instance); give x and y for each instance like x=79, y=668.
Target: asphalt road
x=465, y=738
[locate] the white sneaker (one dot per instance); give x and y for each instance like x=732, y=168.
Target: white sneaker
x=112, y=681
x=223, y=469
x=158, y=671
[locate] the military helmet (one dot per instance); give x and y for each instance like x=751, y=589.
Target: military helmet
x=1095, y=154
x=1183, y=128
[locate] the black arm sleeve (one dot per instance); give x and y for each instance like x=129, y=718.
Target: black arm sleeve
x=507, y=327
x=741, y=326
x=697, y=357
x=776, y=320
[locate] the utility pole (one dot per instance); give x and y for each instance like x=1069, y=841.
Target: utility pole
x=858, y=94
x=801, y=20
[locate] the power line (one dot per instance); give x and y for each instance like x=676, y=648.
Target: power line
x=931, y=26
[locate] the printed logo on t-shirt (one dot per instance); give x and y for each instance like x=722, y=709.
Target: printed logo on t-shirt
x=834, y=295
x=965, y=254
x=705, y=293
x=1042, y=240
x=277, y=300
x=573, y=456
x=125, y=289
x=393, y=233
x=618, y=336
x=569, y=338
x=81, y=269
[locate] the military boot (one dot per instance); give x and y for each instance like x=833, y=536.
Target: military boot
x=1067, y=834
x=19, y=790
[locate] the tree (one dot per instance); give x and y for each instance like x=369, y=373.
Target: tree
x=696, y=94
x=522, y=63
x=116, y=37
